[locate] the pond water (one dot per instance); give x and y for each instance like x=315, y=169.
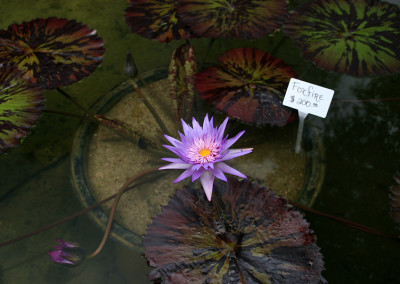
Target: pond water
x=361, y=138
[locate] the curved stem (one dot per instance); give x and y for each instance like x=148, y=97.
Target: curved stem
x=149, y=106
x=346, y=222
x=114, y=208
x=273, y=51
x=366, y=100
x=66, y=113
x=114, y=124
x=86, y=110
x=206, y=53
x=76, y=214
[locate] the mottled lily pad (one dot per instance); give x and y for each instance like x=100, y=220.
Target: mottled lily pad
x=360, y=37
x=395, y=200
x=20, y=106
x=182, y=72
x=155, y=19
x=248, y=19
x=249, y=85
x=245, y=234
x=55, y=52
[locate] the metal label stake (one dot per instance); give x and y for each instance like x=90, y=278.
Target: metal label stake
x=307, y=98
x=302, y=117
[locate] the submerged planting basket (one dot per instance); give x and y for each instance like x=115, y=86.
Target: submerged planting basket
x=101, y=161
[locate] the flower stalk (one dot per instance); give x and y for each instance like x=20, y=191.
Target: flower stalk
x=131, y=71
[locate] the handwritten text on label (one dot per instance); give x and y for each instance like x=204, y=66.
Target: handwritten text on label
x=308, y=98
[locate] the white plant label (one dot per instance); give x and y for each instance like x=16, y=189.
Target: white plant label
x=308, y=98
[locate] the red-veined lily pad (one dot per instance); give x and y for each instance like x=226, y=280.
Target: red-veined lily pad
x=182, y=72
x=249, y=85
x=248, y=19
x=245, y=234
x=359, y=37
x=395, y=203
x=20, y=106
x=56, y=52
x=156, y=19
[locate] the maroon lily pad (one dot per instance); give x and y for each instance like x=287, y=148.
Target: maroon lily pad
x=182, y=76
x=245, y=234
x=358, y=37
x=395, y=200
x=155, y=19
x=21, y=104
x=55, y=52
x=249, y=85
x=248, y=19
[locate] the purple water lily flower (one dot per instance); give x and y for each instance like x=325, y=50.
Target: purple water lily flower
x=66, y=253
x=202, y=153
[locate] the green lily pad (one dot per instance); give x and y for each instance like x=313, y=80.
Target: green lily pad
x=20, y=106
x=155, y=19
x=249, y=85
x=182, y=76
x=360, y=37
x=248, y=19
x=55, y=52
x=245, y=234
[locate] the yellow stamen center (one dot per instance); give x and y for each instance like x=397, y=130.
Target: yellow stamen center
x=204, y=152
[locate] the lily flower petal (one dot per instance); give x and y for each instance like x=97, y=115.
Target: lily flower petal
x=233, y=140
x=173, y=141
x=186, y=128
x=196, y=127
x=221, y=128
x=233, y=153
x=173, y=160
x=172, y=149
x=184, y=175
x=207, y=125
x=197, y=174
x=227, y=169
x=207, y=181
x=218, y=173
x=176, y=166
